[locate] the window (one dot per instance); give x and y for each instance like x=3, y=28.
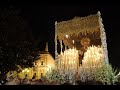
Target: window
x=41, y=62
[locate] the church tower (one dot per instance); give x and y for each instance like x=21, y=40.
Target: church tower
x=46, y=47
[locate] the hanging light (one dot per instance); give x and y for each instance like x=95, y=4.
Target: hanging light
x=73, y=41
x=66, y=36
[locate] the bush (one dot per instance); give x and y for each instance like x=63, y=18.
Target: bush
x=104, y=74
x=54, y=75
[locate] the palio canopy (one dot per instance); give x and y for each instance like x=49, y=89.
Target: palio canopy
x=77, y=25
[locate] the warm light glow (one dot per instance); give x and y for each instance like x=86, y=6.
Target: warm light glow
x=38, y=68
x=73, y=41
x=67, y=36
x=69, y=59
x=27, y=70
x=23, y=71
x=93, y=57
x=47, y=69
x=72, y=61
x=69, y=62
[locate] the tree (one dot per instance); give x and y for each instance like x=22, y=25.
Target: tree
x=26, y=52
x=11, y=57
x=16, y=46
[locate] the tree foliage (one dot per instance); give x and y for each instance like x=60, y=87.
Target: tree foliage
x=23, y=55
x=16, y=46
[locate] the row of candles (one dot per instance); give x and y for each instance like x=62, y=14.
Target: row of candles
x=93, y=57
x=68, y=59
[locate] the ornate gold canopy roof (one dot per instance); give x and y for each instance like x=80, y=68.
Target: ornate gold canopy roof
x=77, y=25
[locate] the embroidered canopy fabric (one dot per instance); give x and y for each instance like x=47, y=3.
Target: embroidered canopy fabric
x=77, y=25
x=72, y=31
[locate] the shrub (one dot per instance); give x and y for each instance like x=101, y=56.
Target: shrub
x=104, y=74
x=54, y=75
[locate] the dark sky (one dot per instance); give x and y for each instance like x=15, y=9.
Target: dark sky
x=110, y=15
x=41, y=18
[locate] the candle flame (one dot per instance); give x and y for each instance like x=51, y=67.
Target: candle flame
x=67, y=36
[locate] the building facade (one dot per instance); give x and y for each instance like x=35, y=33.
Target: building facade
x=41, y=66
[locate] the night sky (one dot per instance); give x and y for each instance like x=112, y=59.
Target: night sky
x=41, y=18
